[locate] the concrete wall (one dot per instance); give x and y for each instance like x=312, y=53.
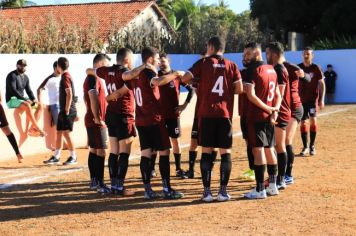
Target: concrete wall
x=40, y=66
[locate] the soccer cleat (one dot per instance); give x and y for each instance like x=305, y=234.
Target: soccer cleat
x=282, y=185
x=223, y=196
x=256, y=195
x=181, y=174
x=207, y=197
x=103, y=189
x=70, y=161
x=272, y=189
x=51, y=161
x=190, y=174
x=151, y=195
x=172, y=194
x=153, y=174
x=312, y=151
x=93, y=184
x=304, y=152
x=289, y=180
x=122, y=192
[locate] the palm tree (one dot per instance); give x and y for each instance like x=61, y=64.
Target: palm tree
x=16, y=3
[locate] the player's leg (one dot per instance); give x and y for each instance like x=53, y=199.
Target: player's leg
x=17, y=117
x=313, y=131
x=12, y=140
x=290, y=133
x=153, y=164
x=54, y=159
x=72, y=159
x=92, y=165
x=25, y=106
x=112, y=121
x=271, y=157
x=193, y=149
x=304, y=129
x=243, y=125
x=281, y=154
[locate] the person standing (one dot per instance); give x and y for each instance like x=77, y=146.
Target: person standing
x=67, y=114
x=330, y=83
x=312, y=94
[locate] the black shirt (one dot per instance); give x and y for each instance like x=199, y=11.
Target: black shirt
x=330, y=78
x=16, y=84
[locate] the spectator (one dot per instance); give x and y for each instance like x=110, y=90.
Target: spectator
x=330, y=82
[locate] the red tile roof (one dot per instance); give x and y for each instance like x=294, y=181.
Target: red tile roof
x=106, y=14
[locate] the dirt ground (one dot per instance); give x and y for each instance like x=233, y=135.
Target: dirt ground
x=41, y=200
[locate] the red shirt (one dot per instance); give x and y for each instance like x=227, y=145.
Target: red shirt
x=243, y=100
x=169, y=98
x=148, y=110
x=113, y=79
x=264, y=78
x=66, y=83
x=309, y=92
x=216, y=86
x=283, y=79
x=94, y=83
x=295, y=101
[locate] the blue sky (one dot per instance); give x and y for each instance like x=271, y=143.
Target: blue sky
x=236, y=5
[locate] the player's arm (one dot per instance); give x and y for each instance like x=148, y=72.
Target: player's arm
x=238, y=87
x=251, y=95
x=191, y=92
x=322, y=93
x=187, y=78
x=281, y=79
x=94, y=100
x=165, y=79
x=29, y=90
x=69, y=99
x=117, y=94
x=131, y=74
x=302, y=76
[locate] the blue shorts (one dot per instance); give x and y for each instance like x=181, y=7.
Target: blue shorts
x=54, y=110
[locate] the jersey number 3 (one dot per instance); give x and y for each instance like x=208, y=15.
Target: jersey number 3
x=219, y=86
x=271, y=91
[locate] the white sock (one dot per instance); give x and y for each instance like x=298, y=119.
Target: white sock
x=73, y=154
x=57, y=153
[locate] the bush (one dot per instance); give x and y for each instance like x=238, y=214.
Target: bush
x=341, y=42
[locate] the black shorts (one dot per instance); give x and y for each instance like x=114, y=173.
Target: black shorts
x=215, y=132
x=261, y=134
x=3, y=120
x=194, y=134
x=173, y=127
x=65, y=122
x=120, y=126
x=310, y=110
x=282, y=124
x=298, y=113
x=97, y=137
x=243, y=125
x=154, y=137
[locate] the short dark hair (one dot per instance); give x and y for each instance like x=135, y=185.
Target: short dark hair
x=329, y=66
x=163, y=54
x=148, y=52
x=308, y=48
x=203, y=52
x=217, y=43
x=253, y=45
x=55, y=65
x=276, y=47
x=100, y=56
x=63, y=63
x=122, y=54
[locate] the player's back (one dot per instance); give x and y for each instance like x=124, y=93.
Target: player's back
x=147, y=99
x=216, y=86
x=264, y=78
x=293, y=84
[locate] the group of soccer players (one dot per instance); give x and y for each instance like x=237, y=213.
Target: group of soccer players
x=273, y=98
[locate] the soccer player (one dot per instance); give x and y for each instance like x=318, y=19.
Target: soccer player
x=67, y=114
x=4, y=126
x=193, y=153
x=120, y=116
x=17, y=82
x=275, y=57
x=219, y=80
x=296, y=74
x=265, y=99
x=243, y=108
x=169, y=98
x=152, y=132
x=312, y=95
x=51, y=84
x=94, y=98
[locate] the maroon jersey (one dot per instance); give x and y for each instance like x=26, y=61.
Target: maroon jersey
x=113, y=79
x=295, y=101
x=169, y=98
x=309, y=92
x=283, y=79
x=93, y=83
x=216, y=86
x=147, y=99
x=243, y=100
x=264, y=79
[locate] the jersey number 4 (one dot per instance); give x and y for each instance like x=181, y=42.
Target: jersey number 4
x=271, y=91
x=219, y=86
x=138, y=97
